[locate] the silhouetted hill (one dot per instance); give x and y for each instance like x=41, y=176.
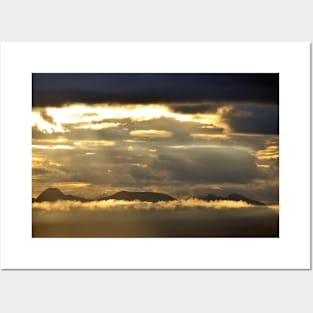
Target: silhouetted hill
x=233, y=197
x=54, y=194
x=238, y=197
x=212, y=197
x=141, y=196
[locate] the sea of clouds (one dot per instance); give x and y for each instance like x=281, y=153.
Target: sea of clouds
x=122, y=205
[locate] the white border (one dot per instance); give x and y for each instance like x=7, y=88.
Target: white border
x=290, y=251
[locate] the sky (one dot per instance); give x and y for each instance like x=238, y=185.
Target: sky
x=181, y=134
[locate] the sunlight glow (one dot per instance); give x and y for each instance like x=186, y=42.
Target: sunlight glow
x=96, y=126
x=270, y=152
x=44, y=126
x=101, y=116
x=151, y=133
x=45, y=147
x=209, y=136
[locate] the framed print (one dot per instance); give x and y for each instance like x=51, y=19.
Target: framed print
x=155, y=155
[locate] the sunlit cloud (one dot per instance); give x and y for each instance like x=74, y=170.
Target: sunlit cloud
x=96, y=126
x=98, y=116
x=83, y=144
x=250, y=118
x=263, y=165
x=96, y=143
x=151, y=133
x=270, y=152
x=113, y=205
x=45, y=126
x=66, y=185
x=209, y=136
x=54, y=147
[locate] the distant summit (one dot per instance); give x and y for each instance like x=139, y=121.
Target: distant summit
x=239, y=197
x=213, y=197
x=232, y=197
x=141, y=196
x=54, y=194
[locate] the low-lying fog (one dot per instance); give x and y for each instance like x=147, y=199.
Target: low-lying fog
x=179, y=218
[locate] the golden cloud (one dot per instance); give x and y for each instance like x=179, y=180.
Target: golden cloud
x=113, y=205
x=151, y=133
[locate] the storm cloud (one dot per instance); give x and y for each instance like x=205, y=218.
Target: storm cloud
x=247, y=118
x=61, y=88
x=210, y=164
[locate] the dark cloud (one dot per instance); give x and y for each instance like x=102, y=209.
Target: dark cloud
x=257, y=118
x=146, y=175
x=48, y=118
x=138, y=167
x=57, y=89
x=208, y=165
x=252, y=140
x=111, y=133
x=196, y=108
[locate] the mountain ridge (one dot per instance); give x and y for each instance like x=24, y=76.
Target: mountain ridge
x=55, y=194
x=232, y=197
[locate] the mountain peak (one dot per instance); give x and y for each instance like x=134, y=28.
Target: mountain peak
x=54, y=194
x=53, y=190
x=239, y=197
x=50, y=194
x=140, y=195
x=233, y=197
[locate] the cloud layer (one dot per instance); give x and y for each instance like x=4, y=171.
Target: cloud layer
x=122, y=205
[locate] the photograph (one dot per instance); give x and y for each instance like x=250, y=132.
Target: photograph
x=155, y=155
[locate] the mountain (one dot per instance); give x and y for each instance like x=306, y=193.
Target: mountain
x=54, y=194
x=212, y=197
x=141, y=196
x=233, y=197
x=238, y=197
